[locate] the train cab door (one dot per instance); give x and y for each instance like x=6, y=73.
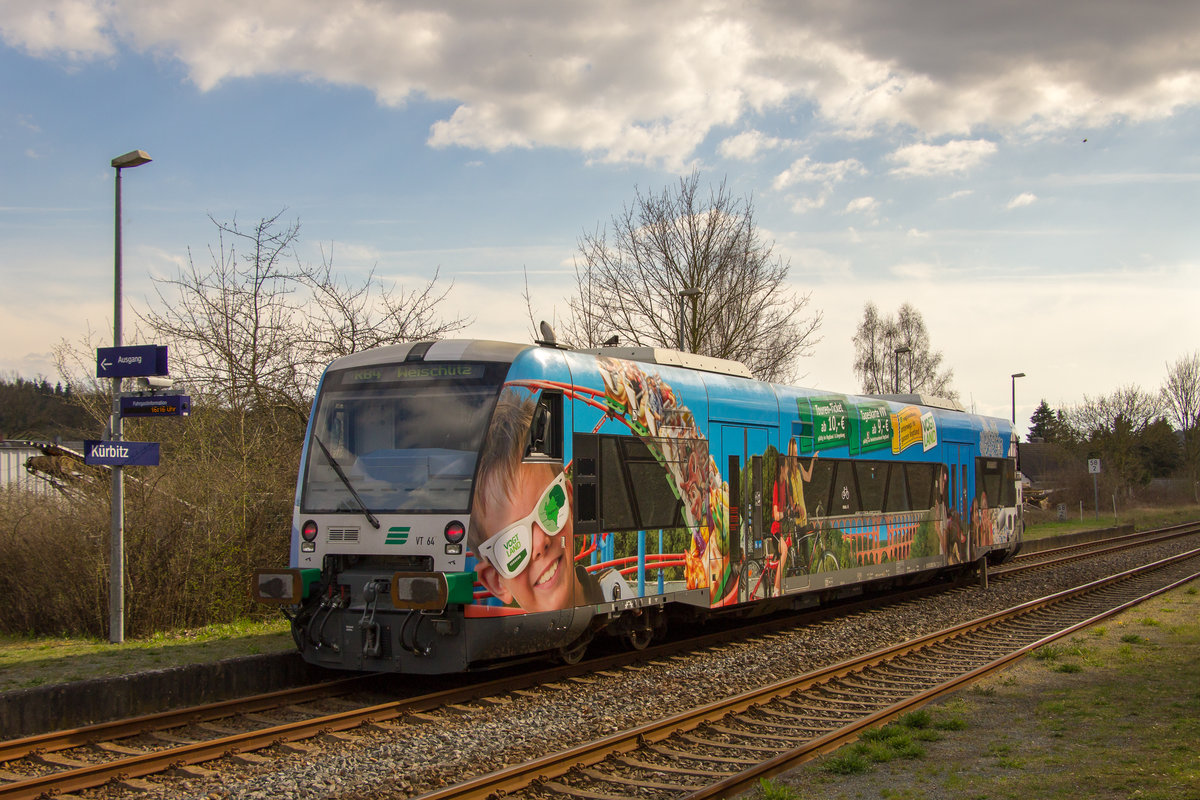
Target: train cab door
x=742, y=448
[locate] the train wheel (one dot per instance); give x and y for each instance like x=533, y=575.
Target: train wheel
x=572, y=653
x=640, y=639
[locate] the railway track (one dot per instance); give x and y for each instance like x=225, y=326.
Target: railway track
x=68, y=761
x=1113, y=544
x=728, y=746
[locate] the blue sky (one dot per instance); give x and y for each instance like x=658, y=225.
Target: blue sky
x=895, y=152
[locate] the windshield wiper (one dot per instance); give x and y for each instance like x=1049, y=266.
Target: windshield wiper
x=338, y=469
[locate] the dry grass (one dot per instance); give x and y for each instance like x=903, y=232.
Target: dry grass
x=1112, y=713
x=28, y=661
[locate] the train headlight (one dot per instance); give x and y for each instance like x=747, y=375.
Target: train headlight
x=455, y=531
x=283, y=587
x=309, y=530
x=425, y=591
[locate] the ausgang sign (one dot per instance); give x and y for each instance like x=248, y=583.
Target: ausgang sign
x=120, y=454
x=138, y=361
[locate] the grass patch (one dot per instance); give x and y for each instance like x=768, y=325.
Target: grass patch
x=897, y=740
x=28, y=661
x=1040, y=524
x=770, y=790
x=1111, y=713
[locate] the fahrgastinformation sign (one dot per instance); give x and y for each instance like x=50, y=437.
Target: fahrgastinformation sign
x=159, y=405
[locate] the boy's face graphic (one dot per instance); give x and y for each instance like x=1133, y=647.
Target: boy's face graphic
x=546, y=581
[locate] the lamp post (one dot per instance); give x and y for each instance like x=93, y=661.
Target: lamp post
x=897, y=352
x=1014, y=376
x=116, y=569
x=682, y=295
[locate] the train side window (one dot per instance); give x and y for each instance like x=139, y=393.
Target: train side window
x=920, y=484
x=845, y=489
x=584, y=475
x=996, y=477
x=616, y=511
x=816, y=493
x=897, y=490
x=654, y=503
x=987, y=480
x=872, y=481
x=546, y=429
x=1008, y=485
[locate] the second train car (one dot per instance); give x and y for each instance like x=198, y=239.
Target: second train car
x=464, y=502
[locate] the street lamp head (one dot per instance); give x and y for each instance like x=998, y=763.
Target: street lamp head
x=904, y=349
x=689, y=292
x=133, y=158
x=1018, y=375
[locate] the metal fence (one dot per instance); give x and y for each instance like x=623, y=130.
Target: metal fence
x=12, y=468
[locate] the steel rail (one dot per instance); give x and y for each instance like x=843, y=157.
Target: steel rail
x=119, y=729
x=541, y=770
x=151, y=762
x=77, y=778
x=831, y=741
x=1114, y=543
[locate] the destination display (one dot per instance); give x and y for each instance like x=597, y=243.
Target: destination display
x=165, y=405
x=120, y=454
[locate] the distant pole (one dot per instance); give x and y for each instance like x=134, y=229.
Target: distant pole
x=116, y=568
x=896, y=367
x=1015, y=375
x=682, y=295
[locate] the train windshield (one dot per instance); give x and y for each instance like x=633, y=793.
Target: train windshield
x=399, y=437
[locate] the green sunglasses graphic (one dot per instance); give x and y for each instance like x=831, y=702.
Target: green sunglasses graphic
x=509, y=550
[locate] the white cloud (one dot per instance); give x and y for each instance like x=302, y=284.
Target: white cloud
x=749, y=145
x=1021, y=200
x=624, y=81
x=951, y=158
x=862, y=205
x=72, y=28
x=805, y=170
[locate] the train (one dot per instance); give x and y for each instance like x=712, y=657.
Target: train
x=464, y=503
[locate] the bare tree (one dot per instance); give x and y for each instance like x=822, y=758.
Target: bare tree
x=1181, y=403
x=254, y=329
x=347, y=318
x=230, y=326
x=1112, y=425
x=629, y=280
x=876, y=360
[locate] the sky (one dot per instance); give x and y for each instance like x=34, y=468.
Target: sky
x=1025, y=173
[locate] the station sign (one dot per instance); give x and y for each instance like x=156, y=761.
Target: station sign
x=163, y=405
x=136, y=361
x=120, y=454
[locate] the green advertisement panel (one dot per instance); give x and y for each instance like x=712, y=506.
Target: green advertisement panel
x=871, y=427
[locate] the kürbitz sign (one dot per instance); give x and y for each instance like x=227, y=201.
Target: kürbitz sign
x=120, y=454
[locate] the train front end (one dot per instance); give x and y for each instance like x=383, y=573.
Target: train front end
x=380, y=571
